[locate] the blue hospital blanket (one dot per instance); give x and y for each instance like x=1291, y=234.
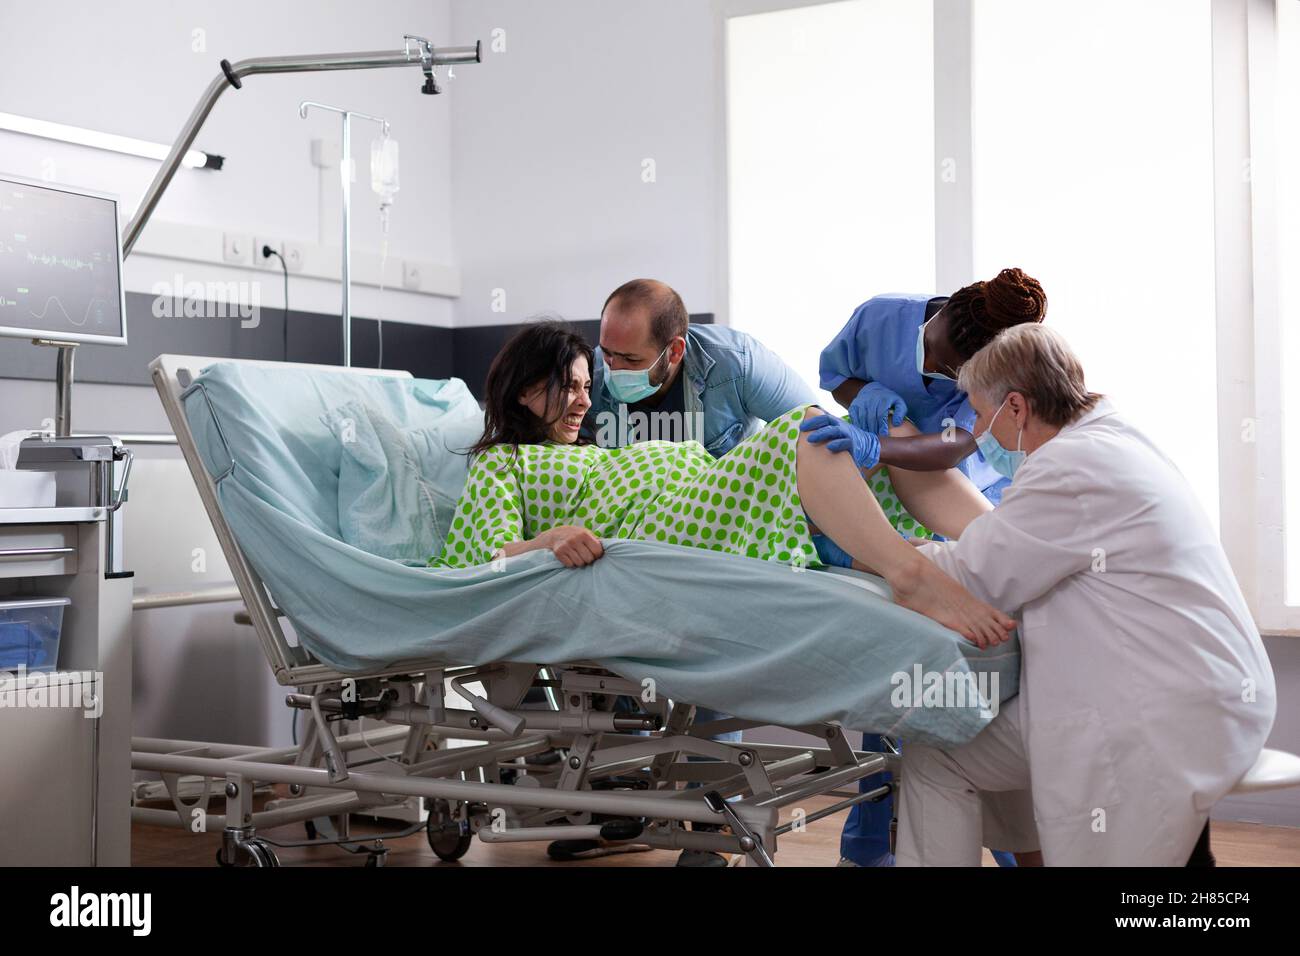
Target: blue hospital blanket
x=342, y=485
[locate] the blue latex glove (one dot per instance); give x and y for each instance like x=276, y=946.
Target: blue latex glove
x=876, y=408
x=844, y=436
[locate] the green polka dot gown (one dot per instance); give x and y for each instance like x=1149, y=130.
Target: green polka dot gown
x=898, y=516
x=744, y=503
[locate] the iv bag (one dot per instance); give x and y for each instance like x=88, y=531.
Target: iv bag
x=383, y=169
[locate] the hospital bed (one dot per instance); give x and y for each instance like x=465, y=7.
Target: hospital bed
x=430, y=669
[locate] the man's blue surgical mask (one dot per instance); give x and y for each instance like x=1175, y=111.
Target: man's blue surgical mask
x=1004, y=462
x=920, y=357
x=630, y=386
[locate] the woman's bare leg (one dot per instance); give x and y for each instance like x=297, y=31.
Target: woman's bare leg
x=944, y=501
x=839, y=502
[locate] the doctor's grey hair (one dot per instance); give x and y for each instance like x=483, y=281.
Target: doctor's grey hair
x=1037, y=362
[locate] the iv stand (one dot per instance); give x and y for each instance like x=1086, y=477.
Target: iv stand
x=345, y=170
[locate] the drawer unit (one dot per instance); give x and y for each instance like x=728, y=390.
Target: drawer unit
x=31, y=551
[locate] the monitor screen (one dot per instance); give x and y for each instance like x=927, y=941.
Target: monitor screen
x=60, y=264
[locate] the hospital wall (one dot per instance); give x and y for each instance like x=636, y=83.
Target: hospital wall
x=585, y=154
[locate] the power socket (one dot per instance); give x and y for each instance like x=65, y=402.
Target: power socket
x=266, y=262
x=293, y=256
x=411, y=278
x=236, y=249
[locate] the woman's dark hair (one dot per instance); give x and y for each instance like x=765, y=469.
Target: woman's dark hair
x=539, y=352
x=977, y=313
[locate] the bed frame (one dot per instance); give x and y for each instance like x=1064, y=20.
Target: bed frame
x=575, y=769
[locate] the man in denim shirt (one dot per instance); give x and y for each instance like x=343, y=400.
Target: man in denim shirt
x=657, y=377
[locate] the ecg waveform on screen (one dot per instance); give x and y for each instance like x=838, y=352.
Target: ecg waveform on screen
x=55, y=299
x=67, y=262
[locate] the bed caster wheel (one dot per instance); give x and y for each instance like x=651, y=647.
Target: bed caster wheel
x=262, y=856
x=310, y=827
x=251, y=853
x=450, y=847
x=446, y=840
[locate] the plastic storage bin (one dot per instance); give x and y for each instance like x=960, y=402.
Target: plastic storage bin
x=29, y=633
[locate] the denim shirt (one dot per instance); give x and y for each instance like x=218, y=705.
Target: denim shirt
x=733, y=385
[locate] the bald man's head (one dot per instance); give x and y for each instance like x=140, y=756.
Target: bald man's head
x=653, y=306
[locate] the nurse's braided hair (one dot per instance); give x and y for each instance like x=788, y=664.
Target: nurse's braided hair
x=979, y=312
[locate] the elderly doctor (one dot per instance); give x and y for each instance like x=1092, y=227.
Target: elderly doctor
x=1145, y=692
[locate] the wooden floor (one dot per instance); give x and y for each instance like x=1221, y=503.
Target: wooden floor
x=1235, y=844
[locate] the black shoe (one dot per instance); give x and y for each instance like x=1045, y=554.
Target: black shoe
x=566, y=850
x=571, y=851
x=705, y=858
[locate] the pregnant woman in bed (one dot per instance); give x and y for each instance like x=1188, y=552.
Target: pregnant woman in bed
x=532, y=486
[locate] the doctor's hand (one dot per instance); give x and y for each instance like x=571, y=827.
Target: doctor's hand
x=842, y=436
x=876, y=408
x=574, y=547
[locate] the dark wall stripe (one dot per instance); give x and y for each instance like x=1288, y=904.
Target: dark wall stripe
x=314, y=338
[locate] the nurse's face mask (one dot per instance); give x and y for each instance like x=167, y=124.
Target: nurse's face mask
x=1004, y=462
x=920, y=357
x=630, y=386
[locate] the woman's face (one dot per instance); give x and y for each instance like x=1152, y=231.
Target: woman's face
x=567, y=409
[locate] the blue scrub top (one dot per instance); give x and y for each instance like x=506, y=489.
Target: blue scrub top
x=879, y=345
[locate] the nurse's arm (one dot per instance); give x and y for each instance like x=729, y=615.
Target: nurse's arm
x=914, y=452
x=937, y=452
x=848, y=390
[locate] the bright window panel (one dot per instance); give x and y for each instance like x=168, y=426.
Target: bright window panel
x=1288, y=132
x=1094, y=173
x=830, y=167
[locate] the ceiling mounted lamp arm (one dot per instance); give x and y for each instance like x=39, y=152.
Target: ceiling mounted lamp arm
x=424, y=55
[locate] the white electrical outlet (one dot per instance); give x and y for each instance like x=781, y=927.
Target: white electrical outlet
x=325, y=155
x=293, y=256
x=411, y=275
x=236, y=248
x=266, y=262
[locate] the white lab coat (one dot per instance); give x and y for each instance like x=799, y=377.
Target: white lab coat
x=1145, y=691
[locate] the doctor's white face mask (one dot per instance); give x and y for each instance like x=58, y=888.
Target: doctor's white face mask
x=1004, y=462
